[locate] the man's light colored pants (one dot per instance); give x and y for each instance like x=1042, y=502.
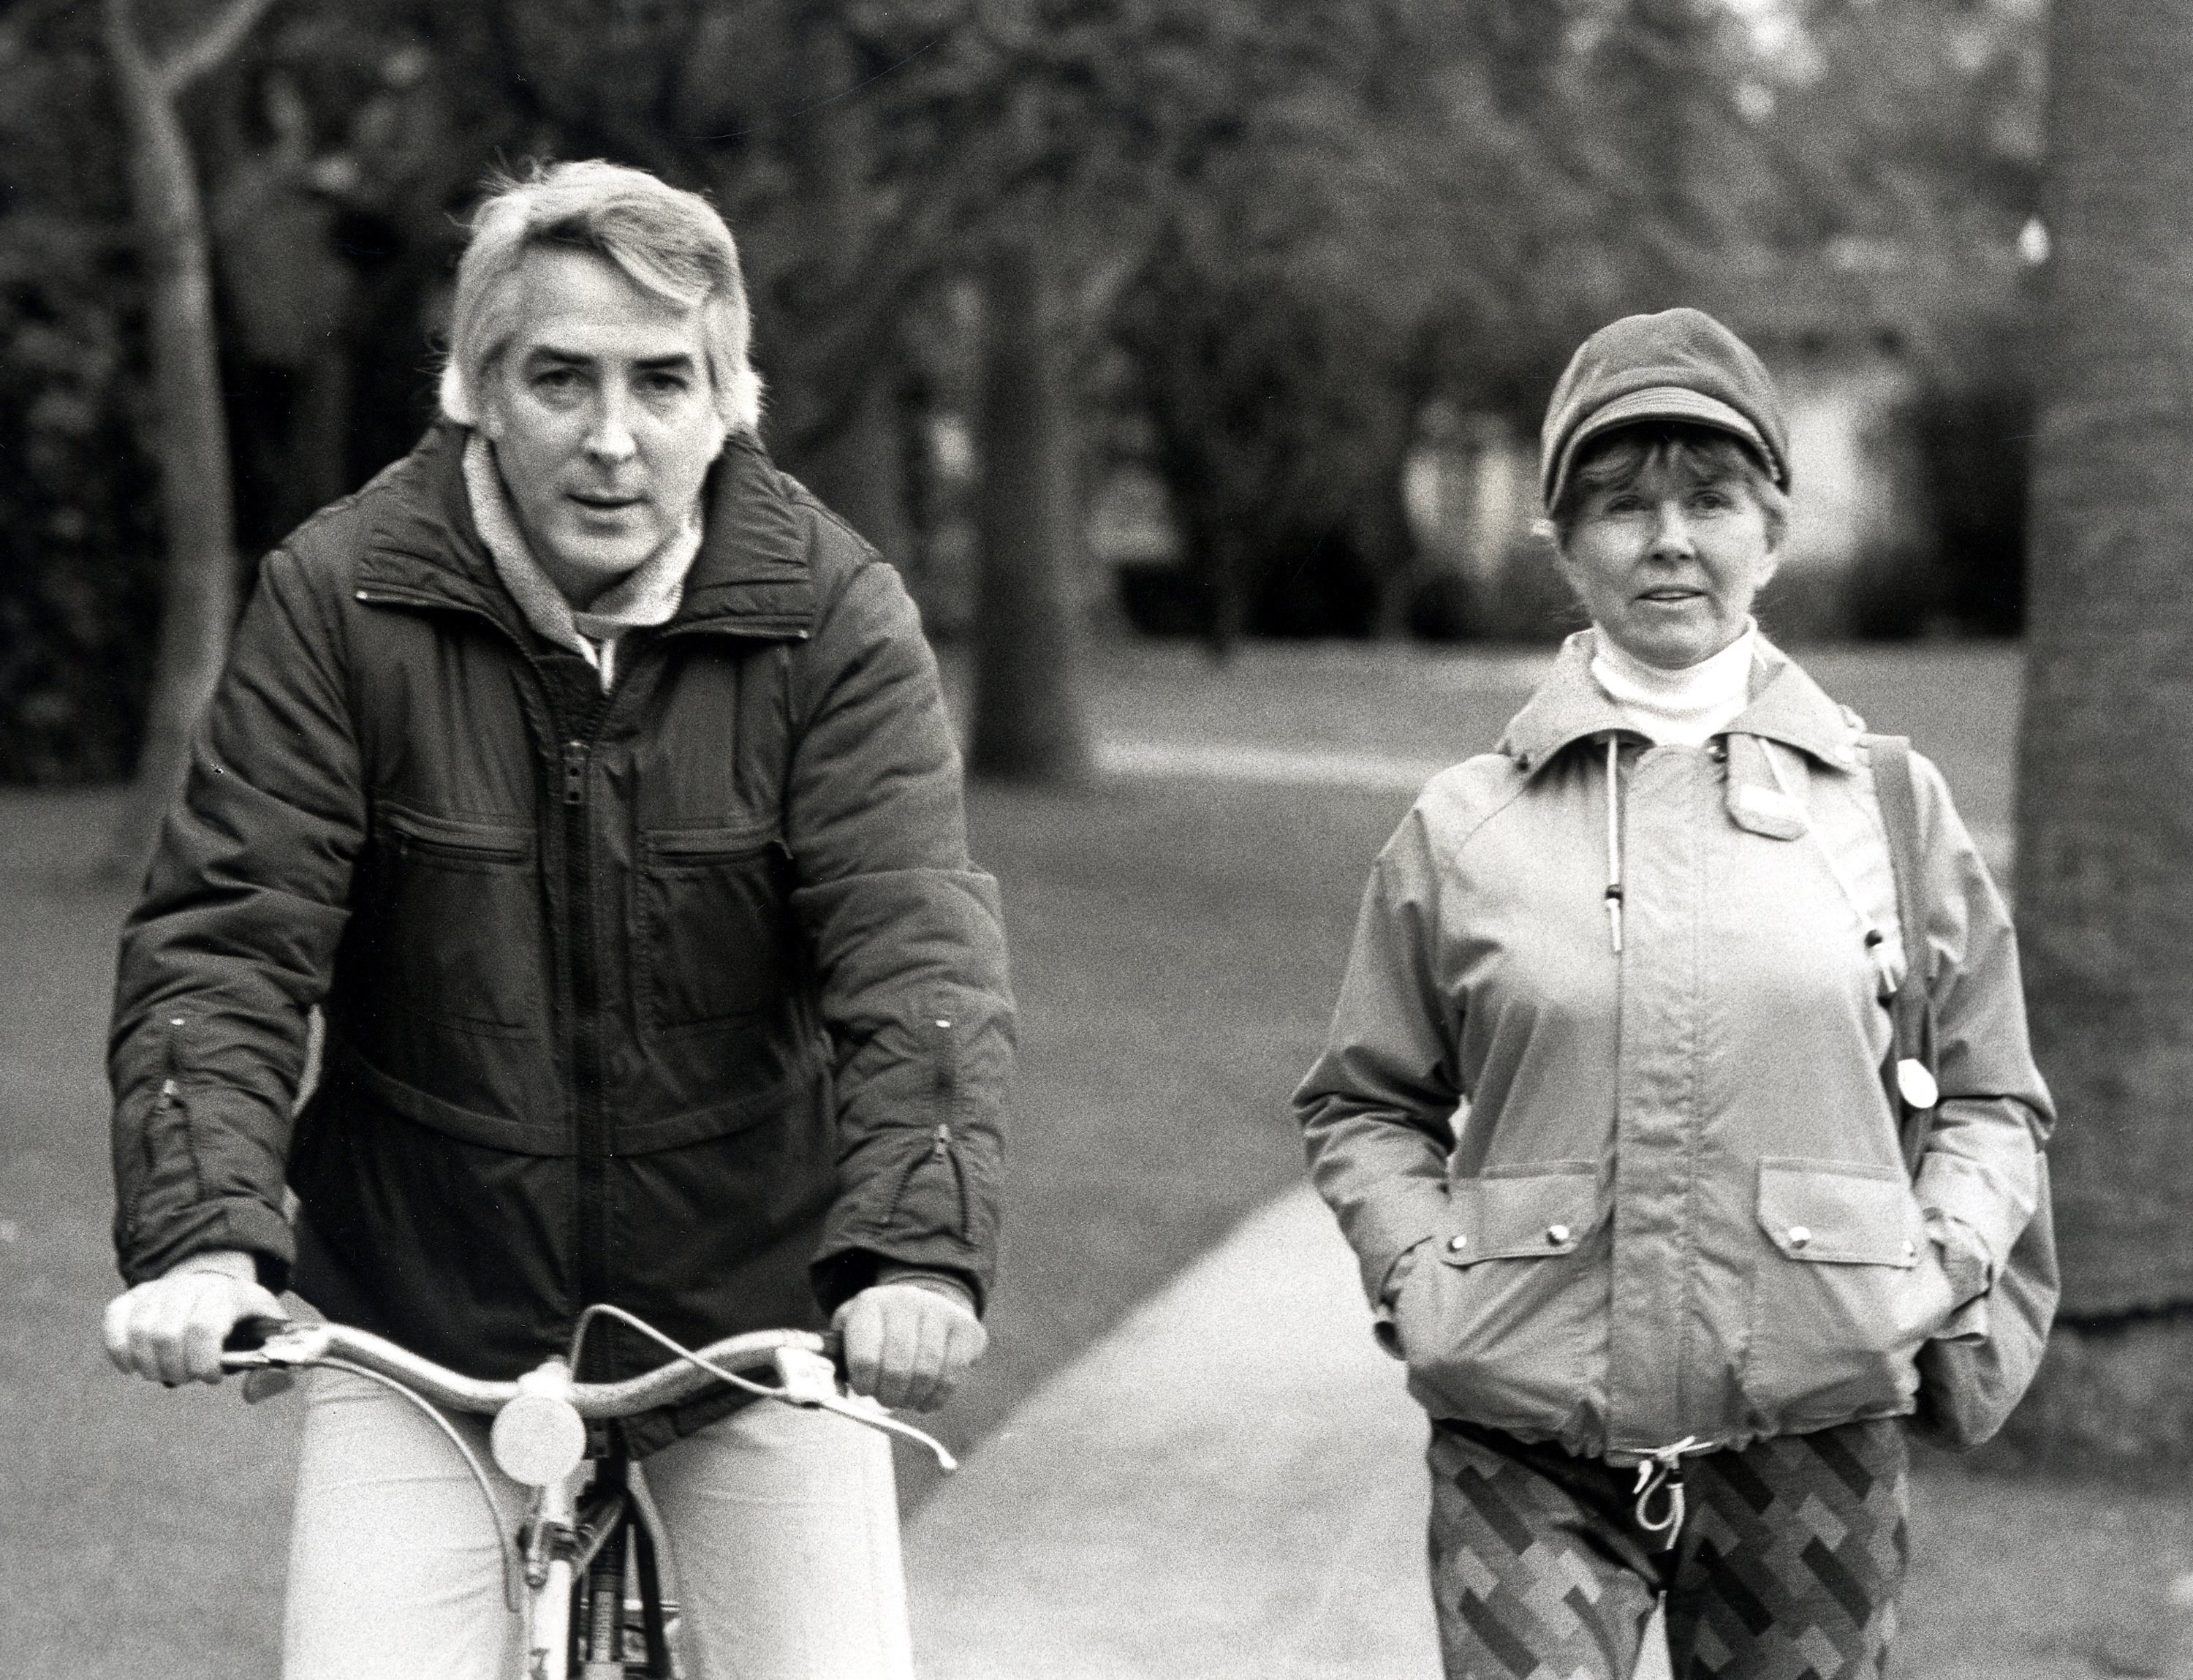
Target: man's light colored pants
x=783, y=1542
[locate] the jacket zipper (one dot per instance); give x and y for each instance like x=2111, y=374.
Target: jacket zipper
x=946, y=1096
x=590, y=1216
x=945, y=1150
x=170, y=1101
x=944, y=1146
x=590, y=1167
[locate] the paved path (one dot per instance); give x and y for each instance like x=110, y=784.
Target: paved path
x=1230, y=1487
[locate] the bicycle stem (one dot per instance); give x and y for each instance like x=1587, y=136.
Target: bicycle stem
x=550, y=1572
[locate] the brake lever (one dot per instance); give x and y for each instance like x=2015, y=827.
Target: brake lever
x=882, y=1421
x=268, y=1351
x=810, y=1380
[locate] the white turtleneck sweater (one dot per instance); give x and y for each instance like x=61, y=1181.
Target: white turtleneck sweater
x=645, y=597
x=1678, y=709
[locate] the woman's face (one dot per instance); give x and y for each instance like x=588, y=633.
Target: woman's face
x=1668, y=564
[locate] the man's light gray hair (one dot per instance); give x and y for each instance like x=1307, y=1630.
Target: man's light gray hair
x=670, y=244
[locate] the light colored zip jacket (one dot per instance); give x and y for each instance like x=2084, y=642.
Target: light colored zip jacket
x=1606, y=1070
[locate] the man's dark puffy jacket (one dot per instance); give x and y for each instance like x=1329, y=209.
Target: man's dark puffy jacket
x=685, y=998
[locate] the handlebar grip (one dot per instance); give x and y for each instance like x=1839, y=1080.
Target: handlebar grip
x=250, y=1334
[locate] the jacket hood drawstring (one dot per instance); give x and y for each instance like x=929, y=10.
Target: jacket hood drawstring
x=1614, y=839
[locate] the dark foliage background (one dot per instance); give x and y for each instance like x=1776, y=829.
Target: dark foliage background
x=77, y=546
x=1282, y=229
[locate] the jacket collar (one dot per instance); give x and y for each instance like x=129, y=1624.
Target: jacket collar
x=1786, y=705
x=751, y=577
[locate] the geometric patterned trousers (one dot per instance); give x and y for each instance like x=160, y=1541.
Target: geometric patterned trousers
x=1787, y=1567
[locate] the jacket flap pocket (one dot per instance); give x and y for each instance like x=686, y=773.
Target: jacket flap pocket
x=457, y=837
x=703, y=845
x=1543, y=1207
x=1850, y=1213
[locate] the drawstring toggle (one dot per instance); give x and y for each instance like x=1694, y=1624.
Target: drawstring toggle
x=1660, y=1476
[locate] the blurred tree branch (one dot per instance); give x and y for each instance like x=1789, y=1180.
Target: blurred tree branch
x=199, y=602
x=207, y=49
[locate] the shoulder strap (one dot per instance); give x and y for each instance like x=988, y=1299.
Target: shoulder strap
x=1911, y=1010
x=1899, y=815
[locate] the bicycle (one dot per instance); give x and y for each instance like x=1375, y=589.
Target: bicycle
x=583, y=1564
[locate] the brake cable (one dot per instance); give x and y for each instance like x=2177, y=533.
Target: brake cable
x=818, y=1397
x=510, y=1567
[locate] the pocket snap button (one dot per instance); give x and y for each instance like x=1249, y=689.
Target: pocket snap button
x=1798, y=1237
x=1557, y=1235
x=1911, y=1249
x=1457, y=1243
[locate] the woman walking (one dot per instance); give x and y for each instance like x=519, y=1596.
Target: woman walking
x=1662, y=1282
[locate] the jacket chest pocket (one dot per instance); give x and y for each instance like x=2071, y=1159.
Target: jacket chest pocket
x=1845, y=1290
x=457, y=907
x=713, y=935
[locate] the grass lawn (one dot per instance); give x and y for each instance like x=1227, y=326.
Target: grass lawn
x=1176, y=944
x=1959, y=703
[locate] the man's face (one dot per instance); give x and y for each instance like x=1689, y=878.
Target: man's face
x=602, y=415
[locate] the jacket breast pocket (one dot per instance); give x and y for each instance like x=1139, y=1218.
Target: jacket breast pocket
x=457, y=906
x=1506, y=1323
x=714, y=934
x=1847, y=1287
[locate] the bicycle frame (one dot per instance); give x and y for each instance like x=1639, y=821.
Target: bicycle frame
x=539, y=1438
x=617, y=1540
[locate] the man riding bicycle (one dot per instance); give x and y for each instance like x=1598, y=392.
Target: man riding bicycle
x=595, y=782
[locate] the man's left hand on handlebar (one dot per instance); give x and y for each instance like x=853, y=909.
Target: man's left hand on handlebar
x=908, y=1340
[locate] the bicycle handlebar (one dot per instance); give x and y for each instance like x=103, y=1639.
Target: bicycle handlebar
x=314, y=1344
x=539, y=1438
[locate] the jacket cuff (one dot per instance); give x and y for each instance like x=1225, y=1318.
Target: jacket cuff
x=1965, y=1261
x=1400, y=1215
x=236, y=1222
x=843, y=1270
x=234, y=1263
x=1956, y=1193
x=1385, y=1329
x=937, y=1283
x=1405, y=1262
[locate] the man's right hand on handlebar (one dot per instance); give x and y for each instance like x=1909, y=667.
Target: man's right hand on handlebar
x=171, y=1329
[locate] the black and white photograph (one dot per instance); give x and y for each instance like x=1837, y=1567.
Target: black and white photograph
x=1097, y=839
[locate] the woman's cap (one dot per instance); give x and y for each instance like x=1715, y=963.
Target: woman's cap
x=1679, y=365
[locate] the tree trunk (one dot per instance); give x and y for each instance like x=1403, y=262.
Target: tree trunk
x=198, y=605
x=1384, y=535
x=1227, y=568
x=1665, y=57
x=2105, y=808
x=859, y=470
x=1027, y=716
x=856, y=465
